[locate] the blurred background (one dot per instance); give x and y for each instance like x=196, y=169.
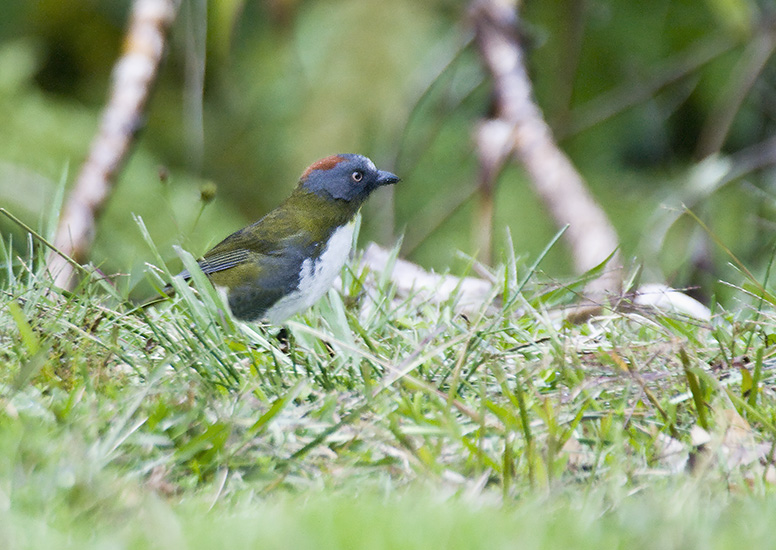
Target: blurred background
x=657, y=107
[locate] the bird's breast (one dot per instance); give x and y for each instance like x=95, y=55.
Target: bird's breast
x=316, y=275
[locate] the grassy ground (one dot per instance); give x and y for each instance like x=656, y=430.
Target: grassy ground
x=380, y=421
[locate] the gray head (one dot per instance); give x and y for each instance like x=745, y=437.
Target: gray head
x=346, y=177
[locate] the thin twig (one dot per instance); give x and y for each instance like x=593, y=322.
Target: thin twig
x=608, y=104
x=750, y=66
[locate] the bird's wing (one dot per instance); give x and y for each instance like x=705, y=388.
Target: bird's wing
x=256, y=272
x=215, y=261
x=248, y=252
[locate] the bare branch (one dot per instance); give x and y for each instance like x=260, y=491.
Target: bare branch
x=590, y=235
x=133, y=77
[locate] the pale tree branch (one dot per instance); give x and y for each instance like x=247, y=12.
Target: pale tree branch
x=519, y=127
x=133, y=77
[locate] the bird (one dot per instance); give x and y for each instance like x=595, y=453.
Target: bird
x=285, y=262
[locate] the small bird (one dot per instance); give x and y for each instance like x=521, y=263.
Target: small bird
x=285, y=262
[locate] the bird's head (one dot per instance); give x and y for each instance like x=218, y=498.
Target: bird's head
x=345, y=177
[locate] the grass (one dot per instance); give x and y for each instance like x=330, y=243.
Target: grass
x=689, y=520
x=379, y=421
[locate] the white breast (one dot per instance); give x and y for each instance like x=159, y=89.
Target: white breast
x=316, y=276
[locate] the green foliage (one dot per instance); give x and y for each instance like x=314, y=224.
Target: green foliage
x=111, y=415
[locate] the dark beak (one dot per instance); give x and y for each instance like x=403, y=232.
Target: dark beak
x=386, y=178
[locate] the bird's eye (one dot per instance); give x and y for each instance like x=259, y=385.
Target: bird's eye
x=357, y=176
